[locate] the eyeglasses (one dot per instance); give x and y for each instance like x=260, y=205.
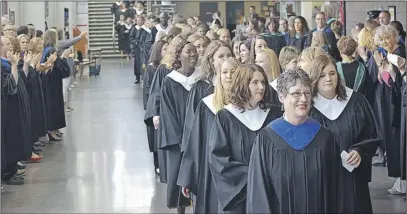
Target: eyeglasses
x=297, y=95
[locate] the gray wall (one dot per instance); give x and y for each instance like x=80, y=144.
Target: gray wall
x=356, y=11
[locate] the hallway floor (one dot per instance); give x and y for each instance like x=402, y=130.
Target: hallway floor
x=103, y=165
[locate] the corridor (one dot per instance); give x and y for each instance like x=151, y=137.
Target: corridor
x=104, y=164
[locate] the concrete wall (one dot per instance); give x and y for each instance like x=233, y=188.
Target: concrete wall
x=356, y=11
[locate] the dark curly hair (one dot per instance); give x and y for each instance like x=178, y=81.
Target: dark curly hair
x=239, y=94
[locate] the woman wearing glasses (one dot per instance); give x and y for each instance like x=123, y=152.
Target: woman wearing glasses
x=294, y=159
x=348, y=115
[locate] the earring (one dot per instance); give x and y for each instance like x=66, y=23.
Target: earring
x=282, y=107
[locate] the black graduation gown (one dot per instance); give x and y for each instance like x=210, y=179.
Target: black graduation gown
x=120, y=28
x=355, y=129
x=296, y=42
x=198, y=91
x=331, y=39
x=403, y=138
x=8, y=88
x=147, y=79
x=172, y=116
x=387, y=109
x=230, y=145
x=275, y=42
x=365, y=86
x=283, y=178
x=274, y=94
x=126, y=13
x=33, y=84
x=16, y=118
x=153, y=109
x=54, y=99
x=137, y=43
x=115, y=11
x=194, y=172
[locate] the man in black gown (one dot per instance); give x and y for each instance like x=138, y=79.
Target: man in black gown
x=138, y=37
x=294, y=159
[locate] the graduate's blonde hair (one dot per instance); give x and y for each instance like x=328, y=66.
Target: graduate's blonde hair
x=366, y=37
x=220, y=96
x=274, y=64
x=309, y=54
x=287, y=54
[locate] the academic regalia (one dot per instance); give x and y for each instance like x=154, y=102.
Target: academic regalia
x=198, y=91
x=194, y=172
x=355, y=76
x=293, y=169
x=275, y=41
x=33, y=84
x=120, y=35
x=153, y=109
x=387, y=109
x=52, y=89
x=16, y=118
x=361, y=133
x=230, y=144
x=274, y=94
x=175, y=90
x=115, y=11
x=138, y=37
x=126, y=43
x=126, y=13
x=403, y=131
x=147, y=79
x=8, y=88
x=296, y=42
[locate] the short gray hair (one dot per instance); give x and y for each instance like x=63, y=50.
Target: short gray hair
x=384, y=30
x=289, y=79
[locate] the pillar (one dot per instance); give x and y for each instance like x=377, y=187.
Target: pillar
x=306, y=11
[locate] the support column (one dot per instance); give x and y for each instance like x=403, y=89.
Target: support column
x=306, y=11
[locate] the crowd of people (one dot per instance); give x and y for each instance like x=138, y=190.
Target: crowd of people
x=280, y=112
x=36, y=76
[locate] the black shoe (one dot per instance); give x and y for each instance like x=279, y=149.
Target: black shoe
x=15, y=180
x=137, y=82
x=37, y=149
x=38, y=144
x=157, y=171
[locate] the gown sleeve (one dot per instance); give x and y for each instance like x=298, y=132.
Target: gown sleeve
x=191, y=160
x=259, y=184
x=8, y=84
x=153, y=103
x=229, y=176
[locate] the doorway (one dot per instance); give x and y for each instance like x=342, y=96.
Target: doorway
x=234, y=15
x=206, y=9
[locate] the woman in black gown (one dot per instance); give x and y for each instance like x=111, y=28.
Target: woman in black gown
x=294, y=159
x=216, y=53
x=16, y=118
x=174, y=93
x=158, y=51
x=233, y=133
x=348, y=115
x=387, y=96
x=194, y=175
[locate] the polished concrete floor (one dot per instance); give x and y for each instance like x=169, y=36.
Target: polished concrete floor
x=104, y=165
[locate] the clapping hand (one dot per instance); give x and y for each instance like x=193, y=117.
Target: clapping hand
x=28, y=57
x=52, y=58
x=13, y=57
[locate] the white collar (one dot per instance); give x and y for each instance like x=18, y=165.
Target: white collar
x=160, y=28
x=128, y=26
x=208, y=100
x=332, y=108
x=146, y=28
x=252, y=119
x=274, y=84
x=118, y=3
x=185, y=81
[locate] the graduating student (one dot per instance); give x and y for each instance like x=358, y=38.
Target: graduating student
x=403, y=139
x=138, y=38
x=353, y=72
x=275, y=39
x=120, y=28
x=267, y=59
x=157, y=53
x=294, y=159
x=152, y=115
x=174, y=93
x=387, y=97
x=115, y=10
x=348, y=115
x=16, y=120
x=161, y=27
x=299, y=34
x=233, y=133
x=138, y=9
x=216, y=53
x=194, y=175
